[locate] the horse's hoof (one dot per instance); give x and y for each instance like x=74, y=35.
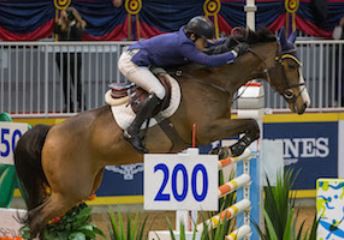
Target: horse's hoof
x=237, y=149
x=224, y=152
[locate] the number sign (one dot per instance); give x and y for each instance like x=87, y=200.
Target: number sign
x=180, y=182
x=9, y=136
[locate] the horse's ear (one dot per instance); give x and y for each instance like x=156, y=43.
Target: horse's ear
x=281, y=32
x=281, y=37
x=292, y=37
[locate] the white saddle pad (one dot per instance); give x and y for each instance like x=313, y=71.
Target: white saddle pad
x=124, y=115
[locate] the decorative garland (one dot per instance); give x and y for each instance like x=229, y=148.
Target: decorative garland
x=76, y=224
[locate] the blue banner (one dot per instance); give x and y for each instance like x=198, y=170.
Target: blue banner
x=308, y=147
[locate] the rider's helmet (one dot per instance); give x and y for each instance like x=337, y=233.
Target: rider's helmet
x=200, y=26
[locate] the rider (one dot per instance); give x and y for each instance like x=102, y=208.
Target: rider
x=170, y=49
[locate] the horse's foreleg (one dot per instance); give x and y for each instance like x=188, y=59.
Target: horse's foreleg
x=225, y=128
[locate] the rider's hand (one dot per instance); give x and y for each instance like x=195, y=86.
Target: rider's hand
x=241, y=48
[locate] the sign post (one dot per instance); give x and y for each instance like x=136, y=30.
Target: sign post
x=180, y=182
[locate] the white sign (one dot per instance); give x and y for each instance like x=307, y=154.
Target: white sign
x=9, y=226
x=180, y=182
x=9, y=136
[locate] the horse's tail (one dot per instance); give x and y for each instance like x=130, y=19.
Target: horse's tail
x=27, y=160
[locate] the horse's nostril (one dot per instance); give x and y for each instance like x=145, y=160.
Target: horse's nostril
x=306, y=104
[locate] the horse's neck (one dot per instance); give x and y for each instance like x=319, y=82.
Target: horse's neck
x=250, y=66
x=230, y=77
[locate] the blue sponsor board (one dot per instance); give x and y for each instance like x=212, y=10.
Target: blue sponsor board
x=308, y=147
x=122, y=181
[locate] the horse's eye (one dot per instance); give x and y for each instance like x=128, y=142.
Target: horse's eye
x=288, y=94
x=292, y=66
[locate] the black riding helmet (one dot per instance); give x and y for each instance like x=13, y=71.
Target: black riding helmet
x=200, y=26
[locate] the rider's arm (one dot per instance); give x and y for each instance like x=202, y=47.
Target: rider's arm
x=216, y=42
x=189, y=51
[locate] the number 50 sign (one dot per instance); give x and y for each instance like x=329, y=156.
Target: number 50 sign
x=180, y=182
x=9, y=136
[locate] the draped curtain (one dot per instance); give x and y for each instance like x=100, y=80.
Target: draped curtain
x=31, y=20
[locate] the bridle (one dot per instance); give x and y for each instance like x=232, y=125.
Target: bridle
x=287, y=89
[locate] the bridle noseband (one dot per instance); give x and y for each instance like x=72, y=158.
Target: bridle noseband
x=287, y=89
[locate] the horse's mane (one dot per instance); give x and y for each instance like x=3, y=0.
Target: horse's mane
x=251, y=37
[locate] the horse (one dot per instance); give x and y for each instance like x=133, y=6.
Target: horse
x=60, y=166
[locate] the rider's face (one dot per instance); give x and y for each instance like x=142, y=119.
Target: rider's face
x=201, y=43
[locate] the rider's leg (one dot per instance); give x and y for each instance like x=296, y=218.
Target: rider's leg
x=144, y=78
x=132, y=133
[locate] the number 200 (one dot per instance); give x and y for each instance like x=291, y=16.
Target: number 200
x=161, y=196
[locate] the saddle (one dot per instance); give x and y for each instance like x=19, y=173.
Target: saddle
x=127, y=99
x=137, y=95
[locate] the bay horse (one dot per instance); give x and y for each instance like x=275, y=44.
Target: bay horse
x=68, y=159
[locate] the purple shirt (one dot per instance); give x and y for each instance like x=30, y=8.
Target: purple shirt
x=172, y=49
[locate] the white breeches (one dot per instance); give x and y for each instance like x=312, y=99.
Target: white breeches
x=141, y=76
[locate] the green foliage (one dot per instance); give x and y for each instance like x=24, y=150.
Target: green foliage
x=75, y=225
x=5, y=117
x=279, y=212
x=134, y=229
x=7, y=184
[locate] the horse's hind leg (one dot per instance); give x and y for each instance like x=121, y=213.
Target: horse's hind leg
x=55, y=205
x=97, y=182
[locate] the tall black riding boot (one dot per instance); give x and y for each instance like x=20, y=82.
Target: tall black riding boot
x=132, y=133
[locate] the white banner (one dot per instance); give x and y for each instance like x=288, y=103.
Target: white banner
x=9, y=226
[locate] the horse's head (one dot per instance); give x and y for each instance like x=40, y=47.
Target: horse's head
x=286, y=74
x=280, y=65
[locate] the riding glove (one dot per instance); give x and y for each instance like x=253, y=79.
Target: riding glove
x=241, y=48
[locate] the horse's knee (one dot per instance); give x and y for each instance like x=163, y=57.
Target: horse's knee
x=253, y=130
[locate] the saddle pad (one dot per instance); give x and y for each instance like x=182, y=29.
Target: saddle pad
x=124, y=115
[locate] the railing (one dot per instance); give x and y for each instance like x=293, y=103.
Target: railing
x=30, y=83
x=324, y=75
